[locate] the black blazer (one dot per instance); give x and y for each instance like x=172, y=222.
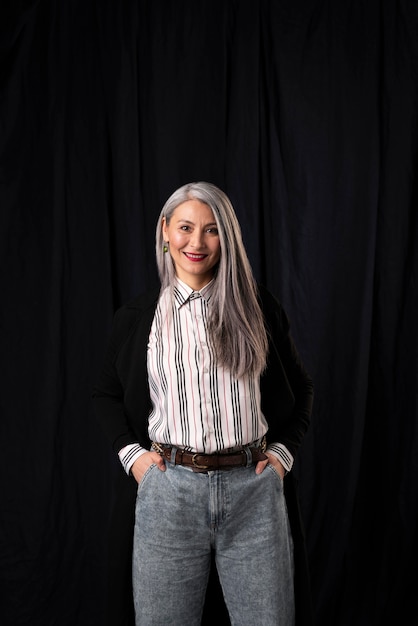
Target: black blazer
x=122, y=396
x=122, y=403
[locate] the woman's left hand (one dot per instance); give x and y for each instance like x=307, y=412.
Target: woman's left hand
x=274, y=461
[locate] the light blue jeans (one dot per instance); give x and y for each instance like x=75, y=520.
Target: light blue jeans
x=181, y=516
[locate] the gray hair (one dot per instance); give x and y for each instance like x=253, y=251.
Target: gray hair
x=236, y=321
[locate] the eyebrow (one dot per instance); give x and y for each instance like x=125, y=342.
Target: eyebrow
x=193, y=223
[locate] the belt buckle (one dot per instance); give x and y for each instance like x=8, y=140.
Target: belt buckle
x=202, y=467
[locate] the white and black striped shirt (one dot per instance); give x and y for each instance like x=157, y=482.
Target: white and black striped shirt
x=197, y=405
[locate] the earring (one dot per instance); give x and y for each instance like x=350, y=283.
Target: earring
x=165, y=247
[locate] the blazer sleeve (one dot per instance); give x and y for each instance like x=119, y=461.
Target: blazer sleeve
x=286, y=386
x=108, y=393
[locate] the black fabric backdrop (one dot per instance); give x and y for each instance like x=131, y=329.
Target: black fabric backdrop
x=305, y=112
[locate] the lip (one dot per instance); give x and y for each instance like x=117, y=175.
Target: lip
x=194, y=257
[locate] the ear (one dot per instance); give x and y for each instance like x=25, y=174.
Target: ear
x=164, y=229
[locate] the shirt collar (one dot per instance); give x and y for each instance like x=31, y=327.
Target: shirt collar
x=183, y=293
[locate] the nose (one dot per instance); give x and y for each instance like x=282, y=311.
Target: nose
x=196, y=240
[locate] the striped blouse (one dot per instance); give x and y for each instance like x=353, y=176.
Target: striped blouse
x=197, y=404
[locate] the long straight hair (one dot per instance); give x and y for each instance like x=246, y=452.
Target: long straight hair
x=236, y=323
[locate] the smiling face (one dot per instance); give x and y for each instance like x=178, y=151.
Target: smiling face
x=193, y=241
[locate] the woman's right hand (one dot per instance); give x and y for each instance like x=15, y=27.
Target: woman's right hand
x=143, y=462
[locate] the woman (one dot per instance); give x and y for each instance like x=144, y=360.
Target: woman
x=206, y=402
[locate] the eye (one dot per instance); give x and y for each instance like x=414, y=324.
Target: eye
x=212, y=230
x=185, y=228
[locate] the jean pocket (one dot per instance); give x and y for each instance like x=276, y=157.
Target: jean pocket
x=275, y=472
x=146, y=476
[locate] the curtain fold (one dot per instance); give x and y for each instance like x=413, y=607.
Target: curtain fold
x=305, y=113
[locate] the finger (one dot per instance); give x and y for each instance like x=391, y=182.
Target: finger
x=259, y=468
x=161, y=464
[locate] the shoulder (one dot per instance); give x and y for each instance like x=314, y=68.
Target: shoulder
x=267, y=299
x=127, y=317
x=273, y=311
x=140, y=303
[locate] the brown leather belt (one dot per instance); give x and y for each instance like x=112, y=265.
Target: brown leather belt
x=200, y=462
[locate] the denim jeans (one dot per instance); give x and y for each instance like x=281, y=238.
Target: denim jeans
x=181, y=516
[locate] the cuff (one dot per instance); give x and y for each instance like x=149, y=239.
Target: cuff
x=282, y=453
x=129, y=454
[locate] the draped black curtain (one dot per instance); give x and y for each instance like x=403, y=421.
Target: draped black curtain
x=305, y=113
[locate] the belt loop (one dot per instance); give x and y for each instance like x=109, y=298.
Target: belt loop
x=247, y=451
x=173, y=455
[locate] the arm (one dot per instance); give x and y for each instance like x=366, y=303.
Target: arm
x=121, y=395
x=302, y=387
x=287, y=388
x=108, y=393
